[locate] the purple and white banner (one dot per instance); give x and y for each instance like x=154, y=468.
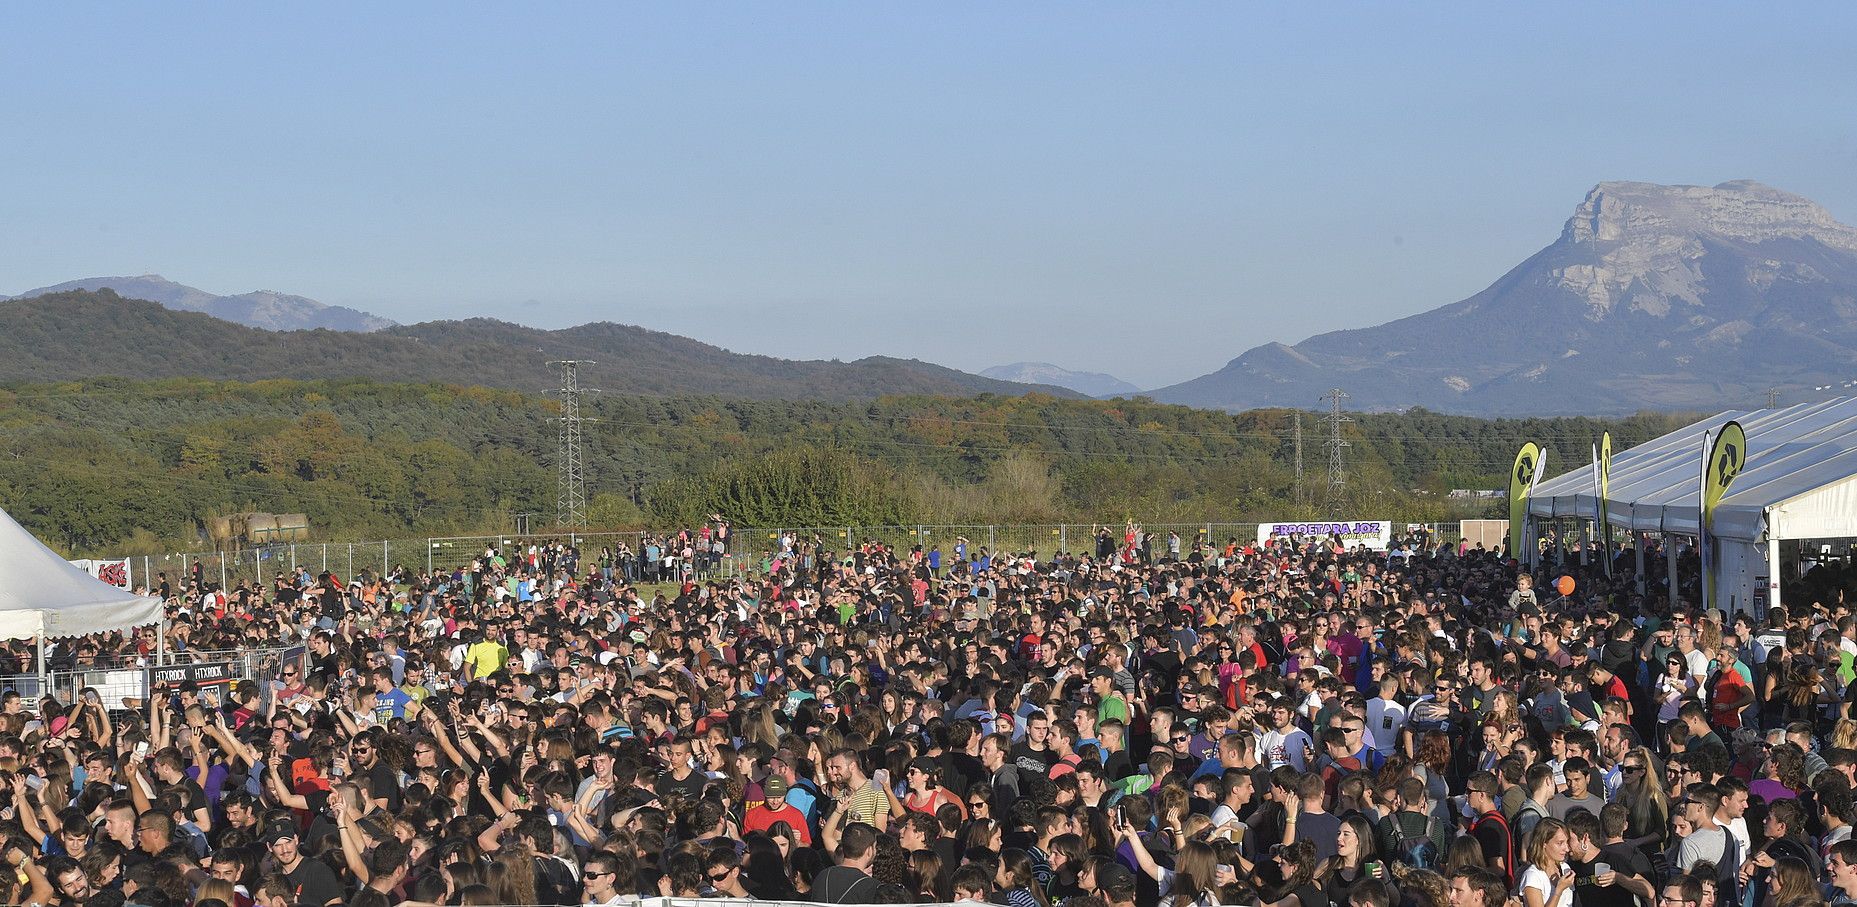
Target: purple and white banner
x=1375, y=534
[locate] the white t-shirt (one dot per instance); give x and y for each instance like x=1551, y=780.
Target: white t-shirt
x=1384, y=719
x=1533, y=877
x=1278, y=748
x=1738, y=828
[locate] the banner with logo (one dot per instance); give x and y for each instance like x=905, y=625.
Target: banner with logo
x=116, y=573
x=1521, y=482
x=1725, y=458
x=1602, y=481
x=1374, y=534
x=1605, y=490
x=214, y=679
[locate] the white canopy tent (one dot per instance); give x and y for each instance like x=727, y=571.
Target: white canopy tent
x=43, y=595
x=1799, y=482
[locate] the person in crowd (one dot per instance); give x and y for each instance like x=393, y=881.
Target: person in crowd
x=1293, y=722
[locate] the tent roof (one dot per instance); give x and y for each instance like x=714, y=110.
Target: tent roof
x=41, y=592
x=1800, y=479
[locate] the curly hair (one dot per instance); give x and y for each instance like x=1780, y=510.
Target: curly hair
x=1789, y=765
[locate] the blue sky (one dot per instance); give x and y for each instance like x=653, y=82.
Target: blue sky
x=1142, y=189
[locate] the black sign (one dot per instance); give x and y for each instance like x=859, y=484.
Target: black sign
x=216, y=673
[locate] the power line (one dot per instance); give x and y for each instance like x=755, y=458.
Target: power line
x=1298, y=430
x=1337, y=476
x=570, y=474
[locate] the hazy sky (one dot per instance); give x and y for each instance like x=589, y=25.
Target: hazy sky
x=1143, y=189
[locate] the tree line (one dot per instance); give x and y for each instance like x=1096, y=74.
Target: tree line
x=125, y=466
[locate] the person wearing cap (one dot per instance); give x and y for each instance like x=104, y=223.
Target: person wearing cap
x=314, y=883
x=1115, y=884
x=774, y=808
x=801, y=792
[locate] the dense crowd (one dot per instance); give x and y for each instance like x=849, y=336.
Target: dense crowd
x=1149, y=722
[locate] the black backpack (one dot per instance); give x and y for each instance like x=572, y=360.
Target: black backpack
x=1418, y=851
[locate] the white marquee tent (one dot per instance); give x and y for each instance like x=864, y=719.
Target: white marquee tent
x=1799, y=482
x=44, y=595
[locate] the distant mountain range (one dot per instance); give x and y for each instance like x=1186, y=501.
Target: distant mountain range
x=1095, y=384
x=1653, y=297
x=265, y=309
x=77, y=334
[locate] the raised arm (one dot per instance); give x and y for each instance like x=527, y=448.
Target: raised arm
x=28, y=817
x=280, y=794
x=202, y=817
x=140, y=791
x=104, y=729
x=157, y=722
x=1126, y=832
x=232, y=745
x=834, y=826
x=442, y=740
x=351, y=839
x=42, y=888
x=579, y=820
x=490, y=839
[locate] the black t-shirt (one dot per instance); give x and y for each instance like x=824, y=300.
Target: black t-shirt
x=692, y=785
x=1037, y=762
x=843, y=885
x=1586, y=893
x=383, y=784
x=1166, y=662
x=1492, y=836
x=192, y=796
x=324, y=665
x=1336, y=889
x=960, y=772
x=316, y=885
x=1118, y=766
x=1627, y=859
x=554, y=881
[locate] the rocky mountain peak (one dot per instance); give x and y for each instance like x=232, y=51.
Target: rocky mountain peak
x=1742, y=210
x=1640, y=247
x=1694, y=297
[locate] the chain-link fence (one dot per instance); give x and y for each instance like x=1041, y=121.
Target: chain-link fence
x=747, y=549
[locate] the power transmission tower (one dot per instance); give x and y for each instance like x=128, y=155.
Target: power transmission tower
x=1337, y=476
x=570, y=476
x=1773, y=397
x=1298, y=436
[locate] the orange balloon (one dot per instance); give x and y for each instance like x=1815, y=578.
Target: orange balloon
x=1565, y=585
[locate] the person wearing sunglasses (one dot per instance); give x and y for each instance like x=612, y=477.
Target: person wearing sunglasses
x=600, y=883
x=725, y=873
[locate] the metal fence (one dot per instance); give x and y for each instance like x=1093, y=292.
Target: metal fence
x=120, y=677
x=748, y=549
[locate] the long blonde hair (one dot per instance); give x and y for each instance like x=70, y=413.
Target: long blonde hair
x=1649, y=802
x=1844, y=734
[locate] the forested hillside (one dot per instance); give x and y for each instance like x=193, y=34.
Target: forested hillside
x=115, y=465
x=78, y=335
